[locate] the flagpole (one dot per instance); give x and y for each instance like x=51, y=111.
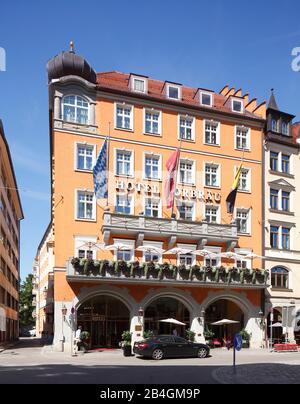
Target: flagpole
x=176, y=175
x=107, y=162
x=242, y=160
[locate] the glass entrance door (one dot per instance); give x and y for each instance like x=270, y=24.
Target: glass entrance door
x=105, y=318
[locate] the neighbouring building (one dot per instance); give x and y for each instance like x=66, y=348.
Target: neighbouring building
x=102, y=278
x=281, y=223
x=10, y=215
x=43, y=285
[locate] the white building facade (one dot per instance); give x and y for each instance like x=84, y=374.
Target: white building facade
x=282, y=225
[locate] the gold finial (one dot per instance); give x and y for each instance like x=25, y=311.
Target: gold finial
x=72, y=47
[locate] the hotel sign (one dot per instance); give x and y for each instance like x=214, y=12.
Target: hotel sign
x=186, y=193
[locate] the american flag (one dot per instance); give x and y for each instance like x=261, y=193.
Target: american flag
x=100, y=173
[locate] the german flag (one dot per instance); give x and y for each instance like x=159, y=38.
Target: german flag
x=230, y=200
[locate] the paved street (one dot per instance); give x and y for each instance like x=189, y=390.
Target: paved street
x=31, y=362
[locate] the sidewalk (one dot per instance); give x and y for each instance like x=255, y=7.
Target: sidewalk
x=259, y=373
x=8, y=345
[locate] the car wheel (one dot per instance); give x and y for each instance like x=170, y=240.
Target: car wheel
x=157, y=354
x=202, y=353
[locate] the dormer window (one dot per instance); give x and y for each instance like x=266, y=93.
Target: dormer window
x=206, y=99
x=237, y=105
x=75, y=109
x=285, y=128
x=173, y=92
x=274, y=125
x=138, y=84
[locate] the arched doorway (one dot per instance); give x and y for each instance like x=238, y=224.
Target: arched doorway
x=163, y=308
x=277, y=329
x=224, y=309
x=105, y=318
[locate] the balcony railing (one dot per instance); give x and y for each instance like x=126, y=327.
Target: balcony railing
x=150, y=226
x=138, y=272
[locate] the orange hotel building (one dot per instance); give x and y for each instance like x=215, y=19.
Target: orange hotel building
x=121, y=288
x=10, y=215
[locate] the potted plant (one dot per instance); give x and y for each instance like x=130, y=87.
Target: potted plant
x=84, y=341
x=135, y=269
x=96, y=268
x=246, y=338
x=126, y=343
x=76, y=265
x=147, y=334
x=190, y=335
x=208, y=335
x=184, y=272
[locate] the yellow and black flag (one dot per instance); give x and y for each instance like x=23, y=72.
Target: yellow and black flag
x=230, y=200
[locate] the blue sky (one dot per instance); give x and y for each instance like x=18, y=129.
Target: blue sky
x=197, y=43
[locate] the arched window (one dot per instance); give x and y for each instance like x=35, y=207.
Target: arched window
x=75, y=109
x=280, y=278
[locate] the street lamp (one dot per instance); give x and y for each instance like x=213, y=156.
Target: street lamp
x=140, y=315
x=64, y=311
x=261, y=315
x=202, y=315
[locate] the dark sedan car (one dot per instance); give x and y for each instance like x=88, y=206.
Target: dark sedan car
x=169, y=346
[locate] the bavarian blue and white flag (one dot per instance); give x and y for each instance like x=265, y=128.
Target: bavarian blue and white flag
x=100, y=173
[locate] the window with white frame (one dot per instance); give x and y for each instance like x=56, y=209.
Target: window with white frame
x=242, y=220
x=212, y=213
x=211, y=132
x=85, y=253
x=124, y=116
x=285, y=238
x=186, y=172
x=285, y=163
x=244, y=182
x=237, y=105
x=124, y=204
x=285, y=201
x=242, y=138
x=189, y=258
x=85, y=157
x=139, y=85
x=75, y=109
x=86, y=205
x=124, y=254
x=186, y=124
x=151, y=254
x=83, y=247
x=152, y=122
x=152, y=207
x=124, y=162
x=173, y=92
x=274, y=125
x=206, y=99
x=212, y=261
x=285, y=128
x=186, y=210
x=152, y=167
x=212, y=175
x=243, y=264
x=186, y=259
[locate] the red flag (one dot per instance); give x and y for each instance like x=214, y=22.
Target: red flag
x=171, y=167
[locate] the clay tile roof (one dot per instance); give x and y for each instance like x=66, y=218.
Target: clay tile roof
x=120, y=82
